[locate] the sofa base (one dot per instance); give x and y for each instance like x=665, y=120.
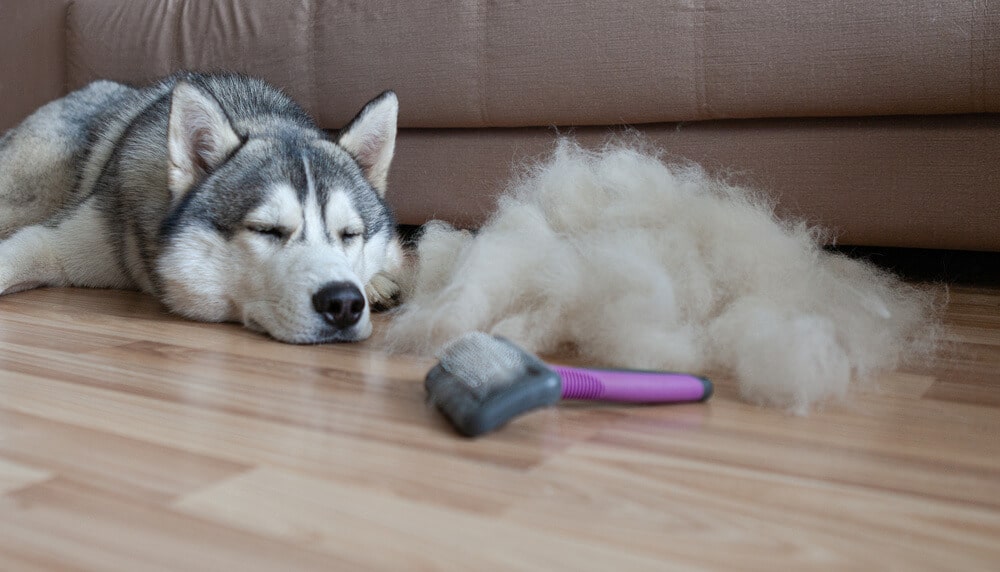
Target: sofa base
x=917, y=182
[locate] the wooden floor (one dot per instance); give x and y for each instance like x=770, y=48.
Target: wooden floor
x=133, y=440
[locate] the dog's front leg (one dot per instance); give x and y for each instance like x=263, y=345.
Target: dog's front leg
x=387, y=288
x=75, y=251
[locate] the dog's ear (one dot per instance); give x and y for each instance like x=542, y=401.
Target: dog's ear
x=199, y=137
x=371, y=138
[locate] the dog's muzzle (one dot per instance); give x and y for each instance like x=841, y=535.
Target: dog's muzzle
x=340, y=303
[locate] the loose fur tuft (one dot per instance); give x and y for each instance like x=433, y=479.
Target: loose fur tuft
x=634, y=263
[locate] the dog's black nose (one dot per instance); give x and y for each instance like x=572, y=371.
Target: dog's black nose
x=340, y=303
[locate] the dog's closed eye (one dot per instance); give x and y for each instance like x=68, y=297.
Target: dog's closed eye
x=348, y=235
x=270, y=231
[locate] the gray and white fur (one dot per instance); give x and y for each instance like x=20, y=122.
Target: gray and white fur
x=215, y=193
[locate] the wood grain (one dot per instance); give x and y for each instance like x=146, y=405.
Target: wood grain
x=131, y=439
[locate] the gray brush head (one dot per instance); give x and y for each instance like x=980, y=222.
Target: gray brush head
x=481, y=382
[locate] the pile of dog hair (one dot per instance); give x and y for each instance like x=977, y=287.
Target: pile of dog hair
x=631, y=262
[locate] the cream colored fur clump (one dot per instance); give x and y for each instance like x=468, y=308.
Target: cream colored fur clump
x=634, y=263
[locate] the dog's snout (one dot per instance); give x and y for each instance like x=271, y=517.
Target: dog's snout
x=340, y=303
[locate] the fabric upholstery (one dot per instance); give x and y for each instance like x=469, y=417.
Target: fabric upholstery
x=878, y=119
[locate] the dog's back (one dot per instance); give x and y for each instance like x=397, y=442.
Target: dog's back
x=42, y=158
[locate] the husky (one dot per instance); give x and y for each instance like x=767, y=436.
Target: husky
x=216, y=193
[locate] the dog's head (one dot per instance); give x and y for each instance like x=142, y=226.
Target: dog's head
x=273, y=224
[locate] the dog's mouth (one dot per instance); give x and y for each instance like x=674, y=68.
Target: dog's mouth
x=253, y=325
x=311, y=329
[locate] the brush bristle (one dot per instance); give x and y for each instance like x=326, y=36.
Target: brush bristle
x=481, y=382
x=484, y=363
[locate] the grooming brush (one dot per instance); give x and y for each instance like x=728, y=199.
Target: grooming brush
x=481, y=382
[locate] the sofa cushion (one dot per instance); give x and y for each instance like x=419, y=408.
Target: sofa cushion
x=567, y=62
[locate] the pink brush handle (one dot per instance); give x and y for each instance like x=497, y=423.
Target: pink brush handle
x=632, y=386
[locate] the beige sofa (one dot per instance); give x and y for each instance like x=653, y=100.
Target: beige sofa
x=878, y=119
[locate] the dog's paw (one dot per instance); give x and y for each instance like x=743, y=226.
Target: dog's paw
x=7, y=285
x=12, y=278
x=382, y=291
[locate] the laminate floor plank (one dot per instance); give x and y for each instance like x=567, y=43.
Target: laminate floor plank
x=131, y=439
